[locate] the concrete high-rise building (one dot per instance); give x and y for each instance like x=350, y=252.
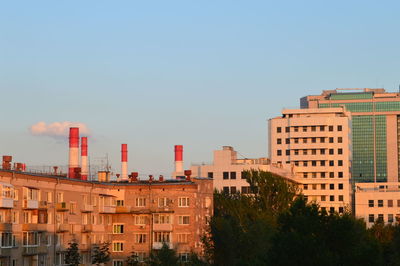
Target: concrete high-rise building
x=375, y=130
x=315, y=145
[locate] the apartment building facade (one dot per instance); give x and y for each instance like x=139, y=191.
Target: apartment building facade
x=40, y=215
x=315, y=145
x=226, y=170
x=375, y=129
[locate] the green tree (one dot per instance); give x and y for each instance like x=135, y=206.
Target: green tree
x=165, y=257
x=101, y=254
x=72, y=256
x=133, y=260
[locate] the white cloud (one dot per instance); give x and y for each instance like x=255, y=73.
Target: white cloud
x=57, y=129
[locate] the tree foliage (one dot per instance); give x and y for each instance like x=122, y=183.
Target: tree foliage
x=72, y=256
x=101, y=254
x=165, y=257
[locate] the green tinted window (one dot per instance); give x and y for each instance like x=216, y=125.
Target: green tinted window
x=351, y=96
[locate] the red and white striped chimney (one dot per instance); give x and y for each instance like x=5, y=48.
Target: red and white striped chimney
x=73, y=151
x=178, y=160
x=84, y=158
x=124, y=161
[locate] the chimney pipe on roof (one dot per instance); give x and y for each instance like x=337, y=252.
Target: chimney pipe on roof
x=178, y=160
x=73, y=152
x=84, y=158
x=124, y=161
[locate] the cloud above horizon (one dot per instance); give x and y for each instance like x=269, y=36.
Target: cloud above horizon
x=57, y=129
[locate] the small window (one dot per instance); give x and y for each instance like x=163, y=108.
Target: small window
x=314, y=152
x=380, y=203
x=313, y=128
x=340, y=186
x=296, y=140
x=322, y=140
x=331, y=174
x=331, y=152
x=183, y=219
x=278, y=152
x=331, y=186
x=305, y=175
x=210, y=175
x=371, y=218
x=296, y=129
x=340, y=151
x=322, y=174
x=340, y=163
x=287, y=152
x=390, y=218
x=183, y=202
x=233, y=190
x=225, y=190
x=330, y=128
x=322, y=152
x=332, y=209
x=341, y=210
x=305, y=163
x=390, y=203
x=322, y=163
x=304, y=140
x=340, y=140
x=323, y=198
x=332, y=198
x=323, y=186
x=118, y=228
x=118, y=246
x=278, y=141
x=287, y=141
x=233, y=175
x=278, y=130
x=330, y=139
x=380, y=217
x=314, y=186
x=339, y=128
x=398, y=203
x=340, y=174
x=313, y=163
x=225, y=175
x=305, y=186
x=321, y=128
x=371, y=203
x=340, y=197
x=287, y=129
x=304, y=129
x=331, y=163
x=313, y=140
x=296, y=152
x=304, y=152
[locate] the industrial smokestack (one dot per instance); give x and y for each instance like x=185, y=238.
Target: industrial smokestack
x=124, y=161
x=73, y=151
x=178, y=160
x=84, y=160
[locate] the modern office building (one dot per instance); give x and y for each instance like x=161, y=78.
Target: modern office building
x=41, y=214
x=315, y=145
x=375, y=130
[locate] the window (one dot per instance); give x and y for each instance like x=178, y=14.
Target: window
x=118, y=263
x=304, y=129
x=305, y=186
x=210, y=175
x=332, y=198
x=322, y=174
x=371, y=203
x=287, y=129
x=323, y=186
x=243, y=175
x=161, y=218
x=296, y=140
x=118, y=247
x=162, y=237
x=380, y=203
x=313, y=163
x=340, y=140
x=305, y=175
x=321, y=128
x=140, y=220
x=278, y=141
x=120, y=202
x=340, y=174
x=140, y=238
x=225, y=175
x=6, y=240
x=330, y=139
x=322, y=152
x=331, y=152
x=313, y=128
x=380, y=217
x=314, y=186
x=313, y=140
x=339, y=128
x=296, y=152
x=371, y=218
x=246, y=190
x=140, y=202
x=322, y=163
x=340, y=151
x=340, y=197
x=341, y=210
x=287, y=141
x=233, y=190
x=331, y=186
x=340, y=186
x=390, y=218
x=304, y=152
x=278, y=130
x=332, y=209
x=340, y=163
x=314, y=175
x=287, y=152
x=304, y=140
x=30, y=239
x=323, y=198
x=183, y=219
x=233, y=175
x=118, y=228
x=331, y=163
x=184, y=257
x=72, y=207
x=225, y=190
x=390, y=203
x=330, y=128
x=314, y=152
x=322, y=140
x=183, y=202
x=31, y=193
x=162, y=202
x=183, y=238
x=296, y=129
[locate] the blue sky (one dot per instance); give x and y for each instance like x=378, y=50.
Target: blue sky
x=199, y=73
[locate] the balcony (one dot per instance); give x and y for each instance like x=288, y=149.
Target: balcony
x=30, y=251
x=61, y=228
x=107, y=209
x=5, y=226
x=62, y=207
x=34, y=227
x=87, y=208
x=30, y=204
x=162, y=227
x=6, y=203
x=43, y=204
x=5, y=252
x=123, y=209
x=158, y=245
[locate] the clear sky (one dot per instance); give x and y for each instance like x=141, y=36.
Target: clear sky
x=199, y=73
